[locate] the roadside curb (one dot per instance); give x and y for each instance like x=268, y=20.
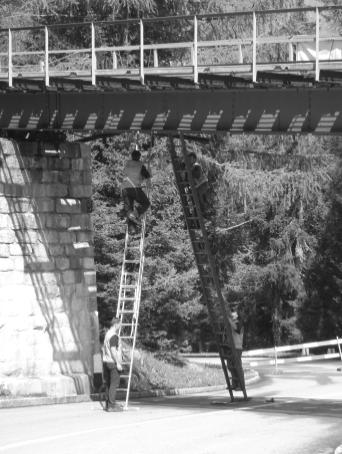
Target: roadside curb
x=9, y=402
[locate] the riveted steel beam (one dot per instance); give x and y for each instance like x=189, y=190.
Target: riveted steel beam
x=250, y=110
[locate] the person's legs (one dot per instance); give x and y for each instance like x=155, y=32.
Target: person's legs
x=128, y=195
x=202, y=192
x=142, y=200
x=114, y=383
x=106, y=382
x=234, y=371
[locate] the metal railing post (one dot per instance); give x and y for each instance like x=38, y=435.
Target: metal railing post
x=10, y=65
x=46, y=58
x=142, y=75
x=290, y=52
x=254, y=68
x=240, y=55
x=93, y=55
x=115, y=60
x=317, y=45
x=339, y=346
x=195, y=50
x=155, y=58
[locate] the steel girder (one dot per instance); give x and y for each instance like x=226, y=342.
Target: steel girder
x=315, y=110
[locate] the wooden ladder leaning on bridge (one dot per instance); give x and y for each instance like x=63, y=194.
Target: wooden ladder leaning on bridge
x=129, y=302
x=218, y=311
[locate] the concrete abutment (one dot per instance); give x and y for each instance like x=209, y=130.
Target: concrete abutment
x=48, y=310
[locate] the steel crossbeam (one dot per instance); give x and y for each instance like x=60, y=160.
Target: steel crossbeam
x=266, y=111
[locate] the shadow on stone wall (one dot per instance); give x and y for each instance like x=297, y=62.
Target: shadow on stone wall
x=47, y=271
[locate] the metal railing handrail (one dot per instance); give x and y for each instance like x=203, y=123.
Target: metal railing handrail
x=194, y=45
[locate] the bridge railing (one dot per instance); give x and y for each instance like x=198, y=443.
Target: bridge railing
x=230, y=43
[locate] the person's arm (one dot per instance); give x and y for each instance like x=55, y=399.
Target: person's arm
x=145, y=173
x=114, y=349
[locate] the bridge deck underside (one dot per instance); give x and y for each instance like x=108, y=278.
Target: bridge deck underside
x=287, y=103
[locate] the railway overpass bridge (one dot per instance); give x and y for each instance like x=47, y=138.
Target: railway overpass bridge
x=215, y=77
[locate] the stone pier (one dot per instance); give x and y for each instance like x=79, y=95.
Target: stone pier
x=48, y=312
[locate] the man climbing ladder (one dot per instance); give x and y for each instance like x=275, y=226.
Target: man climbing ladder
x=135, y=173
x=220, y=316
x=128, y=306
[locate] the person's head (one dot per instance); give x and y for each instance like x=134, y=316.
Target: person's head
x=136, y=155
x=234, y=315
x=192, y=157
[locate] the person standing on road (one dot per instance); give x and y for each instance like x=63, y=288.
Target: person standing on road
x=135, y=173
x=237, y=331
x=112, y=364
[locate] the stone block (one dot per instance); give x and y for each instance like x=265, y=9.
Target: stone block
x=80, y=191
x=39, y=267
x=85, y=150
x=5, y=250
x=83, y=221
x=52, y=237
x=70, y=150
x=21, y=205
x=58, y=221
x=90, y=277
x=62, y=263
x=67, y=237
x=4, y=221
x=56, y=163
x=12, y=175
x=56, y=249
x=65, y=205
x=86, y=178
x=75, y=262
x=78, y=164
x=6, y=264
x=69, y=277
x=85, y=237
x=25, y=221
x=50, y=176
x=4, y=206
x=21, y=249
x=7, y=236
x=88, y=263
x=56, y=190
x=87, y=205
x=46, y=205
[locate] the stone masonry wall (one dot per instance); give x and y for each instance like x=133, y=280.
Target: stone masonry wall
x=48, y=313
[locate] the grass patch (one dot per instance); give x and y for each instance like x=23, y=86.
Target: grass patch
x=169, y=371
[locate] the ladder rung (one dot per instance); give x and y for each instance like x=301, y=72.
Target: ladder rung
x=127, y=298
x=127, y=312
x=124, y=376
x=132, y=261
x=126, y=337
x=128, y=286
x=126, y=324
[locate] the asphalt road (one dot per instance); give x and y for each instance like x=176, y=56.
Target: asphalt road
x=295, y=411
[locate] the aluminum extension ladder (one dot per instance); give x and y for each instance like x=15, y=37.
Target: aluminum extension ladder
x=129, y=302
x=219, y=313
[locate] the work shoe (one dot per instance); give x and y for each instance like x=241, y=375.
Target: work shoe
x=114, y=408
x=134, y=218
